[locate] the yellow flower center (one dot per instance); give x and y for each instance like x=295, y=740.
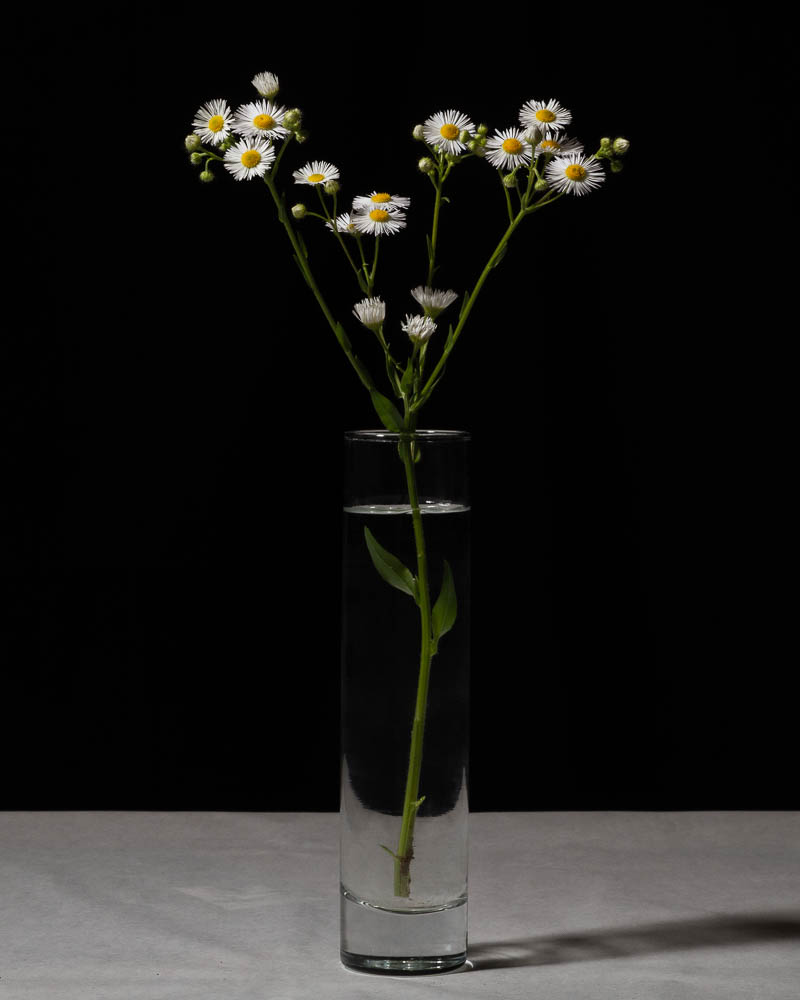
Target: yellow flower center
x=316, y=178
x=215, y=123
x=251, y=158
x=575, y=172
x=449, y=131
x=512, y=146
x=264, y=122
x=379, y=215
x=543, y=115
x=381, y=198
x=550, y=145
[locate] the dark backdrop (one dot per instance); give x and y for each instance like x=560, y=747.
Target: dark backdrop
x=174, y=409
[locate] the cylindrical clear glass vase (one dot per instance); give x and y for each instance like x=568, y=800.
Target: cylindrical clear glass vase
x=405, y=701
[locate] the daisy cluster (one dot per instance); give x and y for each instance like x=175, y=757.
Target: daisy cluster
x=541, y=133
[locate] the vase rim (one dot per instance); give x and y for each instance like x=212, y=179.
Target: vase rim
x=381, y=434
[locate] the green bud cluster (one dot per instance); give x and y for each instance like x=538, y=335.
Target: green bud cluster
x=293, y=119
x=610, y=150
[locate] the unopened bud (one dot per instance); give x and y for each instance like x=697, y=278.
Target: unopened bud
x=482, y=129
x=293, y=118
x=206, y=176
x=541, y=185
x=332, y=187
x=301, y=135
x=196, y=159
x=418, y=132
x=464, y=136
x=192, y=142
x=474, y=146
x=510, y=180
x=605, y=143
x=426, y=165
x=480, y=151
x=621, y=146
x=299, y=210
x=533, y=135
x=616, y=166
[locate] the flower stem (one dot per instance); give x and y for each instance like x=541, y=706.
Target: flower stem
x=405, y=848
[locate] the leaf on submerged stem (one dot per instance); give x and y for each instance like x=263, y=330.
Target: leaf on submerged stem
x=446, y=608
x=390, y=567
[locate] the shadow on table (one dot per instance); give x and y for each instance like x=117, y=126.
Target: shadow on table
x=620, y=942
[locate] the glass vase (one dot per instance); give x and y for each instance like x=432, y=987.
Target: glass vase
x=405, y=701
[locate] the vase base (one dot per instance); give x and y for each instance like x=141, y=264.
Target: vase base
x=402, y=942
x=418, y=966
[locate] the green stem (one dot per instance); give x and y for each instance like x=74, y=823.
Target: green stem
x=411, y=803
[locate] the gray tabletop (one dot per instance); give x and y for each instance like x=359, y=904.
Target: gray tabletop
x=629, y=906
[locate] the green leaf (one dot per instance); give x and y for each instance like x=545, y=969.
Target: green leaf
x=387, y=411
x=390, y=567
x=446, y=607
x=341, y=336
x=408, y=376
x=500, y=256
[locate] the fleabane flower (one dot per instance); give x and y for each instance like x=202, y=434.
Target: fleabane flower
x=262, y=118
x=316, y=172
x=213, y=122
x=443, y=129
x=551, y=115
x=266, y=84
x=508, y=149
x=378, y=221
x=574, y=173
x=552, y=144
x=432, y=301
x=249, y=158
x=371, y=312
x=380, y=199
x=344, y=224
x=419, y=328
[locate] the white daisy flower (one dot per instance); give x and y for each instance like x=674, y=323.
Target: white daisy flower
x=508, y=149
x=249, y=158
x=316, y=172
x=379, y=199
x=443, y=129
x=433, y=301
x=551, y=116
x=574, y=173
x=262, y=118
x=213, y=122
x=378, y=221
x=371, y=312
x=552, y=144
x=266, y=84
x=418, y=327
x=344, y=224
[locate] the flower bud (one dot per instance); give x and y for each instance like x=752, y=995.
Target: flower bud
x=426, y=165
x=621, y=146
x=533, y=135
x=510, y=180
x=301, y=135
x=298, y=210
x=605, y=143
x=196, y=159
x=474, y=146
x=480, y=151
x=541, y=185
x=206, y=176
x=616, y=166
x=418, y=132
x=192, y=142
x=293, y=118
x=482, y=129
x=332, y=187
x=464, y=136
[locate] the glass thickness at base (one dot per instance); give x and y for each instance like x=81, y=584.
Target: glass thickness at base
x=398, y=942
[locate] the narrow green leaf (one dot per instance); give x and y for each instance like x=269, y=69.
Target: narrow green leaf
x=390, y=567
x=501, y=255
x=446, y=607
x=342, y=337
x=387, y=411
x=408, y=376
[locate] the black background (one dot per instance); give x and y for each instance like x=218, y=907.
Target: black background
x=174, y=407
